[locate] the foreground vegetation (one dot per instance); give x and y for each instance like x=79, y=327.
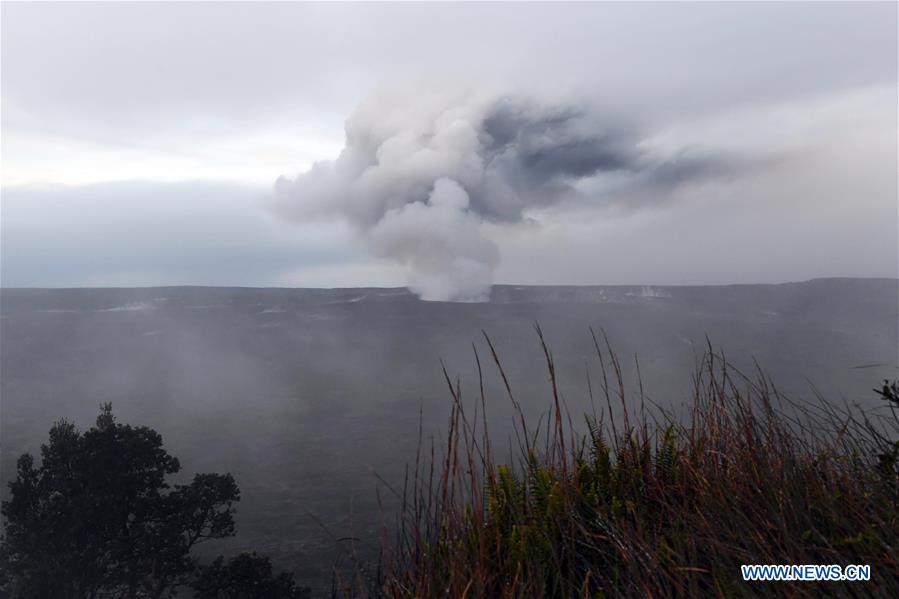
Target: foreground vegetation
x=647, y=503
x=98, y=519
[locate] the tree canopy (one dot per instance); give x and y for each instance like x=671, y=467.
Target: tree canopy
x=97, y=518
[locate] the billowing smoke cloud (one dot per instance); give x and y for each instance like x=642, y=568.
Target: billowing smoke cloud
x=421, y=172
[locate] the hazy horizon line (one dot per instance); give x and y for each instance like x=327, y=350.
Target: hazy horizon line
x=402, y=287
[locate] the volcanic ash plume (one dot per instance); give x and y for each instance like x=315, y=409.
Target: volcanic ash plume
x=441, y=243
x=422, y=172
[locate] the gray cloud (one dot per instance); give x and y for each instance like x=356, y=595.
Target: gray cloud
x=626, y=118
x=138, y=72
x=421, y=171
x=138, y=234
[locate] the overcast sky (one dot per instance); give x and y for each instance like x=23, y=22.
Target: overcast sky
x=141, y=143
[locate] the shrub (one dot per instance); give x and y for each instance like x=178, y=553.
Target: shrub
x=246, y=576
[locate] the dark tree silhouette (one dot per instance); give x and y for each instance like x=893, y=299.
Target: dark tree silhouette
x=247, y=576
x=97, y=518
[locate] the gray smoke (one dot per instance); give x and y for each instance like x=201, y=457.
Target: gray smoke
x=420, y=173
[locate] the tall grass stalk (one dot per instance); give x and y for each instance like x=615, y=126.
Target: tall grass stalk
x=642, y=502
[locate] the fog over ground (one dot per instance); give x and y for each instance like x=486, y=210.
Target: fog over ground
x=591, y=143
x=312, y=398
